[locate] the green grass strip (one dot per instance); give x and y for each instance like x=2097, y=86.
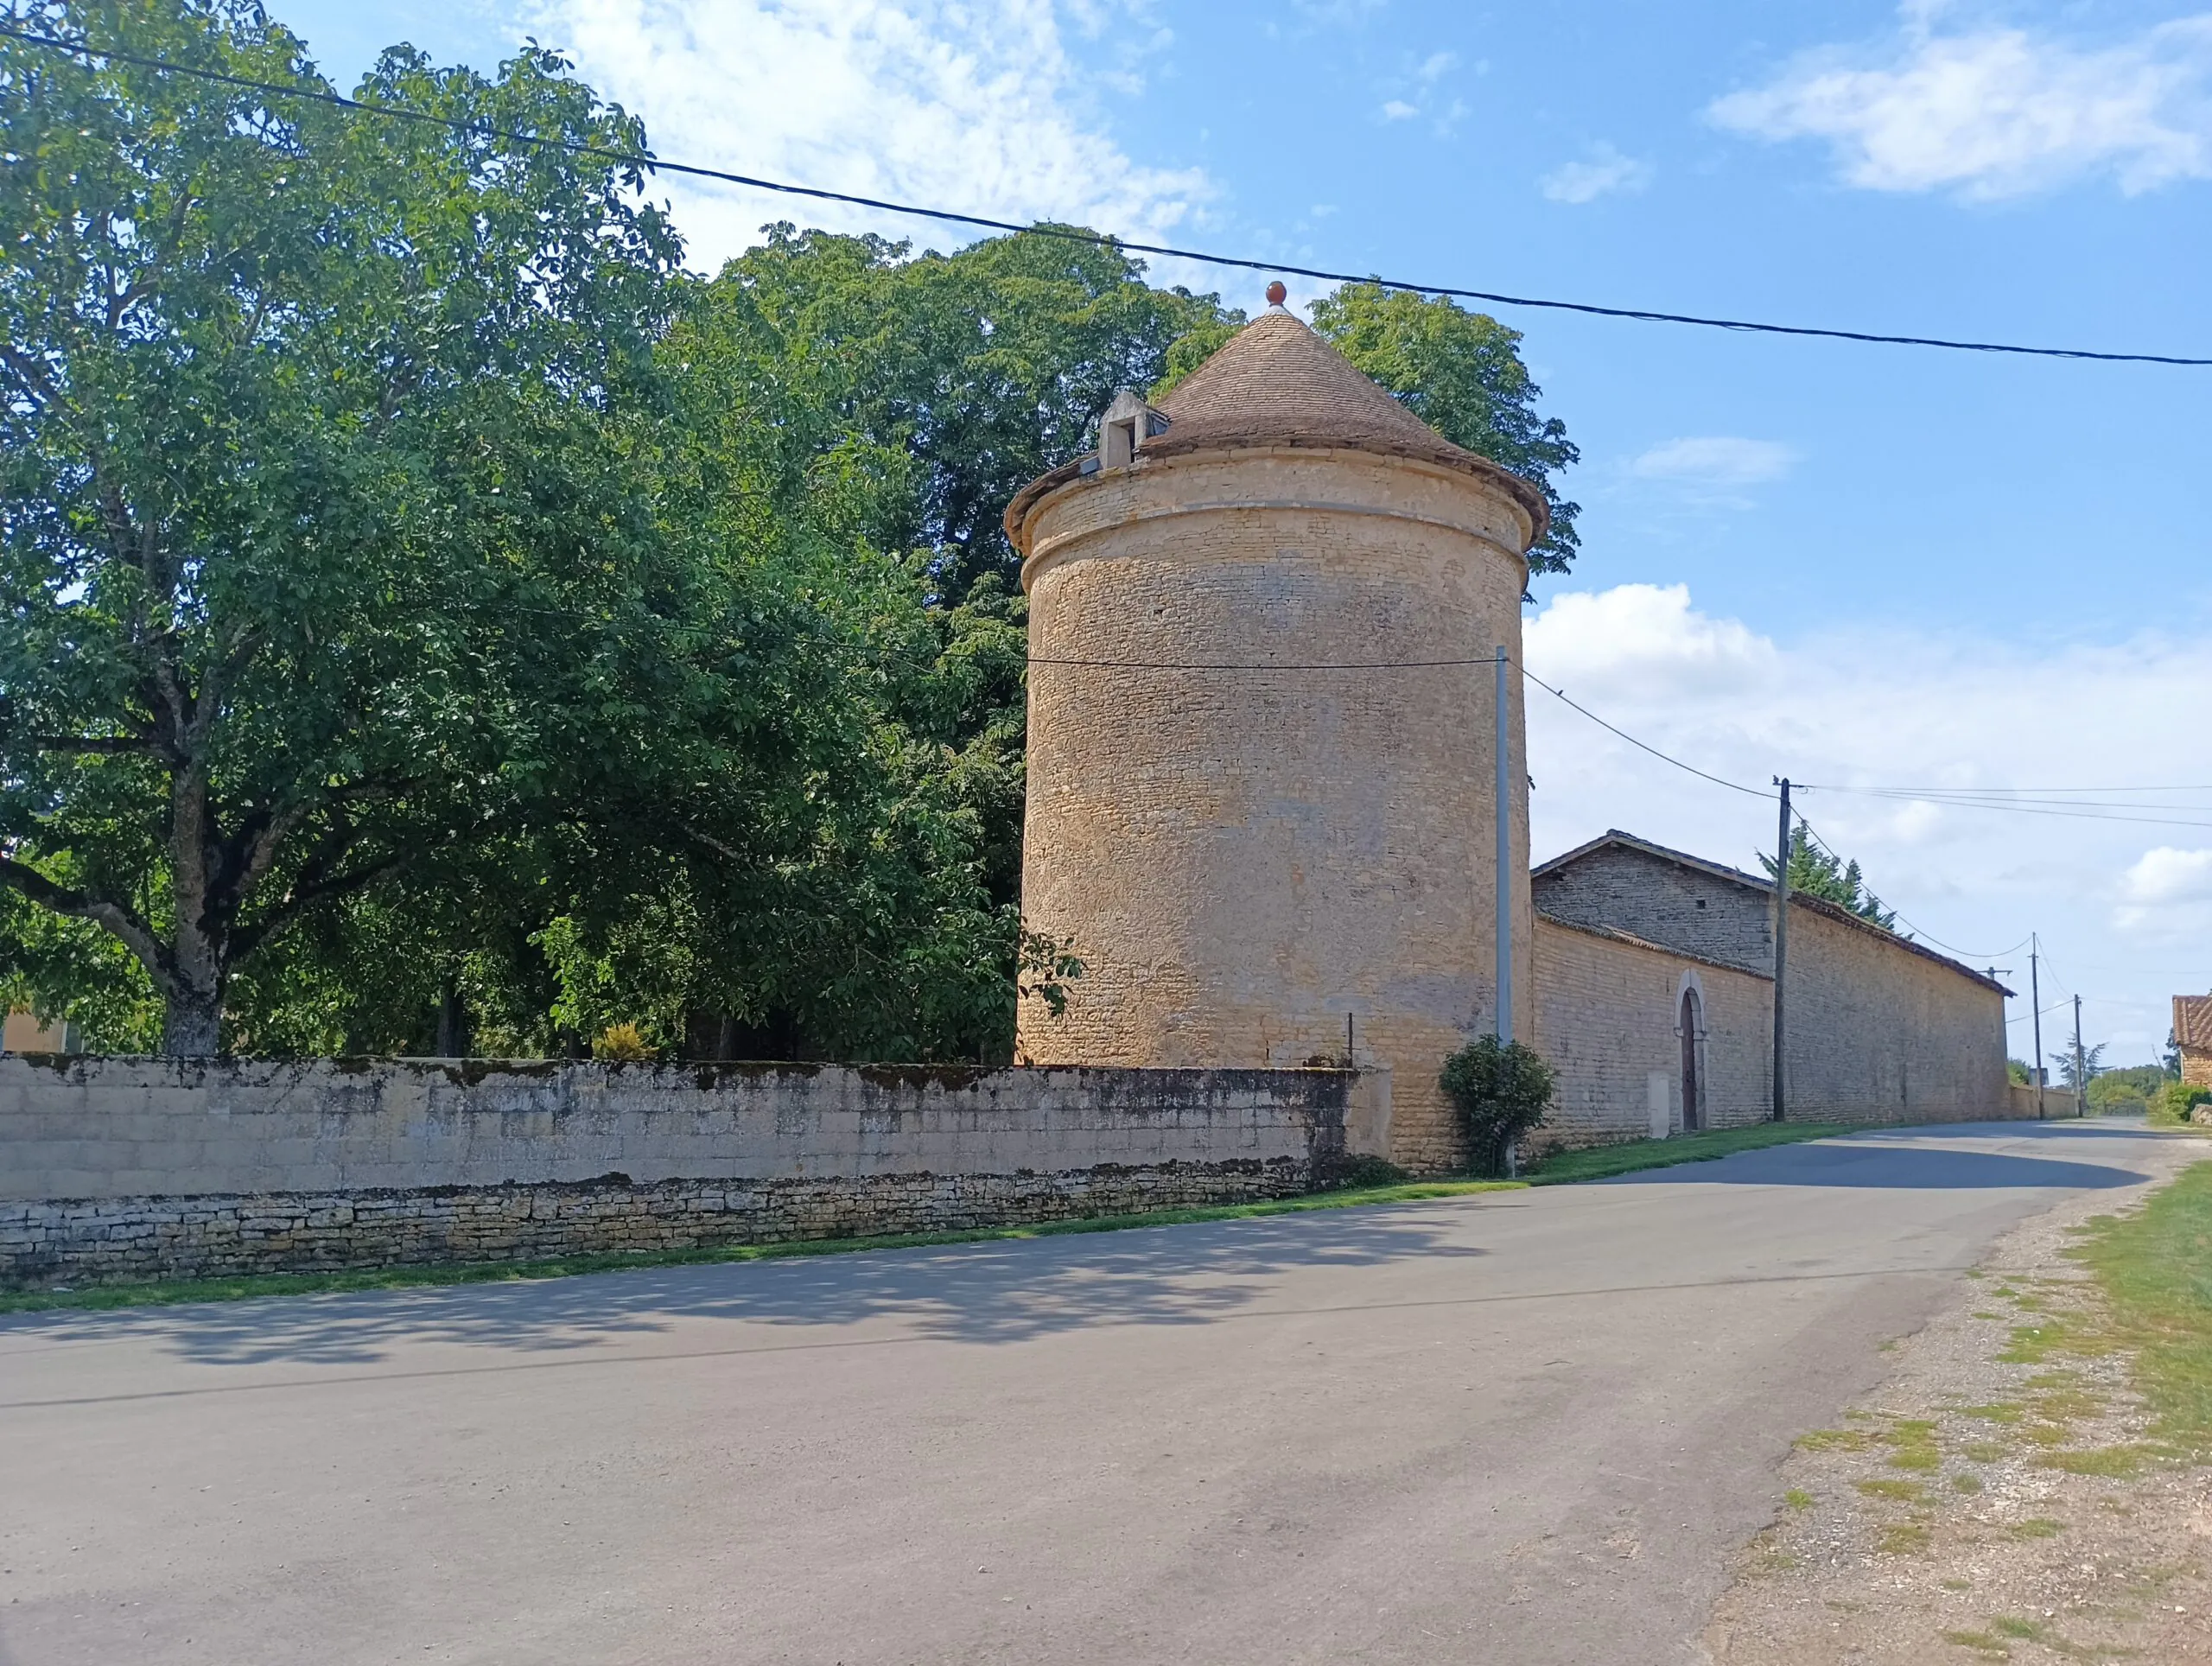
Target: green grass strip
x=2156, y=1266
x=1603, y=1162
x=163, y=1293
x=1598, y=1163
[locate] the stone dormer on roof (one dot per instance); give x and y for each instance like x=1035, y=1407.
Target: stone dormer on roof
x=1128, y=426
x=1274, y=384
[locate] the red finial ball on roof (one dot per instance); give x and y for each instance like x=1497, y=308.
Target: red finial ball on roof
x=1275, y=293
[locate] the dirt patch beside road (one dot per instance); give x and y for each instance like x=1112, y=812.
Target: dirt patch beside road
x=2010, y=1493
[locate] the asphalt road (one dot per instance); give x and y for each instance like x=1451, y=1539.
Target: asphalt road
x=1522, y=1427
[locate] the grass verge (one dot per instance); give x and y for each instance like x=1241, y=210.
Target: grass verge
x=1602, y=1162
x=2156, y=1267
x=161, y=1292
x=1596, y=1164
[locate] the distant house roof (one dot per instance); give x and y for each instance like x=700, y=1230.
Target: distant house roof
x=1278, y=382
x=2193, y=1022
x=1764, y=886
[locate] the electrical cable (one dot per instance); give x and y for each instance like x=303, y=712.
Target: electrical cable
x=2003, y=800
x=645, y=160
x=1560, y=694
x=2081, y=815
x=1938, y=791
x=1963, y=954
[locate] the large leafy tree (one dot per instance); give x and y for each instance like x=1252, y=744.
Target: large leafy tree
x=319, y=551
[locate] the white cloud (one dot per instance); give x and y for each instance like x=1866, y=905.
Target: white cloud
x=1399, y=110
x=1644, y=633
x=2166, y=897
x=1997, y=112
x=976, y=107
x=1436, y=63
x=1606, y=169
x=1715, y=461
x=2124, y=907
x=2166, y=874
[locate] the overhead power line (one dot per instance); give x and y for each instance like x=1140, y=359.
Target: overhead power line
x=2073, y=812
x=1963, y=954
x=1644, y=746
x=1240, y=666
x=695, y=170
x=1985, y=791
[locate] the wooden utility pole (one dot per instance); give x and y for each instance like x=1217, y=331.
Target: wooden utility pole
x=1781, y=943
x=2035, y=1004
x=2080, y=1066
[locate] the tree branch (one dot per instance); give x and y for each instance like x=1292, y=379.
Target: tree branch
x=120, y=922
x=88, y=744
x=255, y=849
x=246, y=939
x=35, y=376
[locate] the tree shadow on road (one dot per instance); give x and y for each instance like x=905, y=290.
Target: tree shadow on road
x=1000, y=1291
x=1891, y=1166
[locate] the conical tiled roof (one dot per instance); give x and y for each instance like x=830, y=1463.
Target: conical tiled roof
x=1277, y=383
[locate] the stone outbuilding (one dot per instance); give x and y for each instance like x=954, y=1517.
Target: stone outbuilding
x=2193, y=1037
x=1262, y=729
x=1655, y=980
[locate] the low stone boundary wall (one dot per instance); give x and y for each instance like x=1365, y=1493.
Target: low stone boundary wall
x=2028, y=1106
x=125, y=1168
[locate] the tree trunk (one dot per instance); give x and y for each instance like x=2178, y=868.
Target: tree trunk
x=199, y=961
x=453, y=1023
x=192, y=1025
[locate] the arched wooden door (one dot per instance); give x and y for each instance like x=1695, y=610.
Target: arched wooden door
x=1693, y=1089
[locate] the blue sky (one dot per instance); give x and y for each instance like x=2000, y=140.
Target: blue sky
x=1856, y=565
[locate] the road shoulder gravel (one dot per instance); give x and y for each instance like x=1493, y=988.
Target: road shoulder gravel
x=2005, y=1495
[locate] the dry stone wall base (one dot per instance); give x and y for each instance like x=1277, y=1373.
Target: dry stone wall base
x=106, y=1240
x=136, y=1168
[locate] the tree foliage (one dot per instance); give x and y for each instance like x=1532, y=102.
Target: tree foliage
x=1815, y=872
x=2128, y=1092
x=1460, y=372
x=309, y=422
x=2079, y=1075
x=969, y=374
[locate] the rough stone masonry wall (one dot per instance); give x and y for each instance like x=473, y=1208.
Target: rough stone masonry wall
x=1878, y=1031
x=1878, y=1034
x=114, y=1168
x=1626, y=890
x=1607, y=1019
x=2197, y=1067
x=1243, y=859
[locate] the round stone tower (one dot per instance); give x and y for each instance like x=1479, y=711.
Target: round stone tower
x=1258, y=806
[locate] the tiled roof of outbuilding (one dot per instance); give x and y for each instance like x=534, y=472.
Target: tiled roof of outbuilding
x=2193, y=1022
x=1277, y=383
x=1614, y=836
